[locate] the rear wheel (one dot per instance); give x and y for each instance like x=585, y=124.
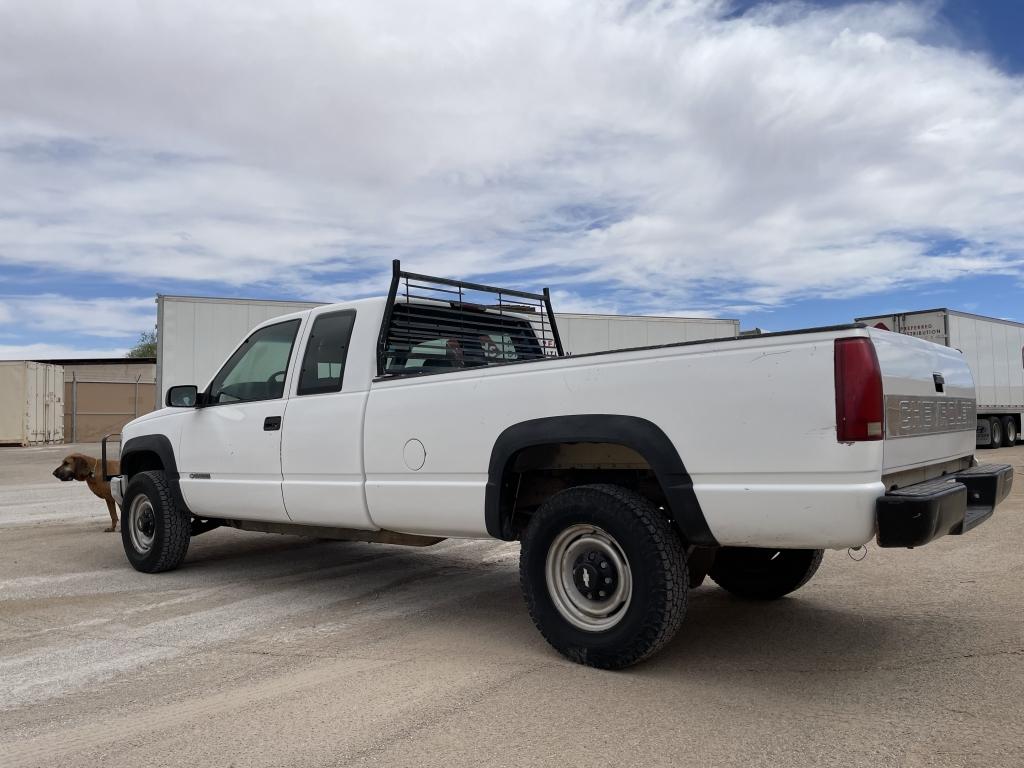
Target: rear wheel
x=1010, y=430
x=996, y=426
x=154, y=532
x=764, y=574
x=604, y=575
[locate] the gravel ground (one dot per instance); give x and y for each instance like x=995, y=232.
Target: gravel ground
x=267, y=650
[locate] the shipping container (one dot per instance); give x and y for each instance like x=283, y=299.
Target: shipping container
x=994, y=349
x=101, y=395
x=196, y=334
x=31, y=403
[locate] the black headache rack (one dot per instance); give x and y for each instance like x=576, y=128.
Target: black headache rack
x=437, y=325
x=104, y=453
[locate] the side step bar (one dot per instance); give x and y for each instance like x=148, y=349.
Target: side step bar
x=319, y=531
x=953, y=504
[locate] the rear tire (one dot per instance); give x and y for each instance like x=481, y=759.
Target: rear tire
x=154, y=532
x=1010, y=435
x=764, y=574
x=996, y=426
x=603, y=573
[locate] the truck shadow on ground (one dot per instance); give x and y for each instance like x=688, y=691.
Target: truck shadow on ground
x=723, y=635
x=802, y=633
x=809, y=632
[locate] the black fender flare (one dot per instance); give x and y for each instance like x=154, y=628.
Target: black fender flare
x=643, y=436
x=161, y=446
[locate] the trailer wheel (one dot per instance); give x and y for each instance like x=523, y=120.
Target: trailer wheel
x=996, y=425
x=604, y=575
x=1010, y=430
x=154, y=532
x=764, y=574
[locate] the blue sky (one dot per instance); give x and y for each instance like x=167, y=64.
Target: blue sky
x=789, y=164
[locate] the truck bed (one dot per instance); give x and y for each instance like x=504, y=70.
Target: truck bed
x=753, y=418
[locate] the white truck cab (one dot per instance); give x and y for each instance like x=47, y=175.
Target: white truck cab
x=628, y=476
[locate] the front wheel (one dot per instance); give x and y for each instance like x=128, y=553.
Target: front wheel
x=154, y=532
x=604, y=575
x=764, y=574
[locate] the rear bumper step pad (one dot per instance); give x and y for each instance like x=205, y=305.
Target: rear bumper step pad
x=952, y=504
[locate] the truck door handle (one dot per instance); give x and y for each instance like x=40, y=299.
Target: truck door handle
x=271, y=423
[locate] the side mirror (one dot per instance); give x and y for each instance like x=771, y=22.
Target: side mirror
x=185, y=396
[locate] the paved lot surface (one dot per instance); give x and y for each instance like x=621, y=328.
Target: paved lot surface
x=277, y=651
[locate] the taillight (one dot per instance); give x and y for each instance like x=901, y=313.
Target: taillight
x=860, y=412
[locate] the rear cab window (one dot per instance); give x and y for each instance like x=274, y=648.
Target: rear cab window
x=431, y=339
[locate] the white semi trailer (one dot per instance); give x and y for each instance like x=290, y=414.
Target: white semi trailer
x=197, y=333
x=994, y=349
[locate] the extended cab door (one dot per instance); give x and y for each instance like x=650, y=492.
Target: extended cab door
x=322, y=444
x=229, y=460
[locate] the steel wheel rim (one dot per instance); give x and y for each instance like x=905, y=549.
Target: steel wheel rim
x=142, y=524
x=562, y=566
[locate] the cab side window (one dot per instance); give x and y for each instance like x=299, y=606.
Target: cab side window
x=323, y=364
x=257, y=369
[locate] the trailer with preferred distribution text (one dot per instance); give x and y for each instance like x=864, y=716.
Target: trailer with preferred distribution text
x=993, y=348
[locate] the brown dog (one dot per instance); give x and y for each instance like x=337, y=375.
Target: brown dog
x=77, y=466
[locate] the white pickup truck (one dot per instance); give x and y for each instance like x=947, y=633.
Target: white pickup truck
x=448, y=410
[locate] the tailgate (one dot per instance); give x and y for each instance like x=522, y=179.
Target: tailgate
x=929, y=401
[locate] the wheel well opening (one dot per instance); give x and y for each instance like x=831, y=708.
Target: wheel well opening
x=533, y=474
x=141, y=461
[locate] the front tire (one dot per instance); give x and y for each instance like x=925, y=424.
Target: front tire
x=154, y=532
x=604, y=576
x=764, y=574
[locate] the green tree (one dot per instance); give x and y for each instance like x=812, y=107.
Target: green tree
x=146, y=346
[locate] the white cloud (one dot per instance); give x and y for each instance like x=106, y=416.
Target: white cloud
x=665, y=153
x=42, y=351
x=102, y=317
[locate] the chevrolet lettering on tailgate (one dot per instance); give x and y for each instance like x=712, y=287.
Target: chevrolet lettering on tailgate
x=910, y=416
